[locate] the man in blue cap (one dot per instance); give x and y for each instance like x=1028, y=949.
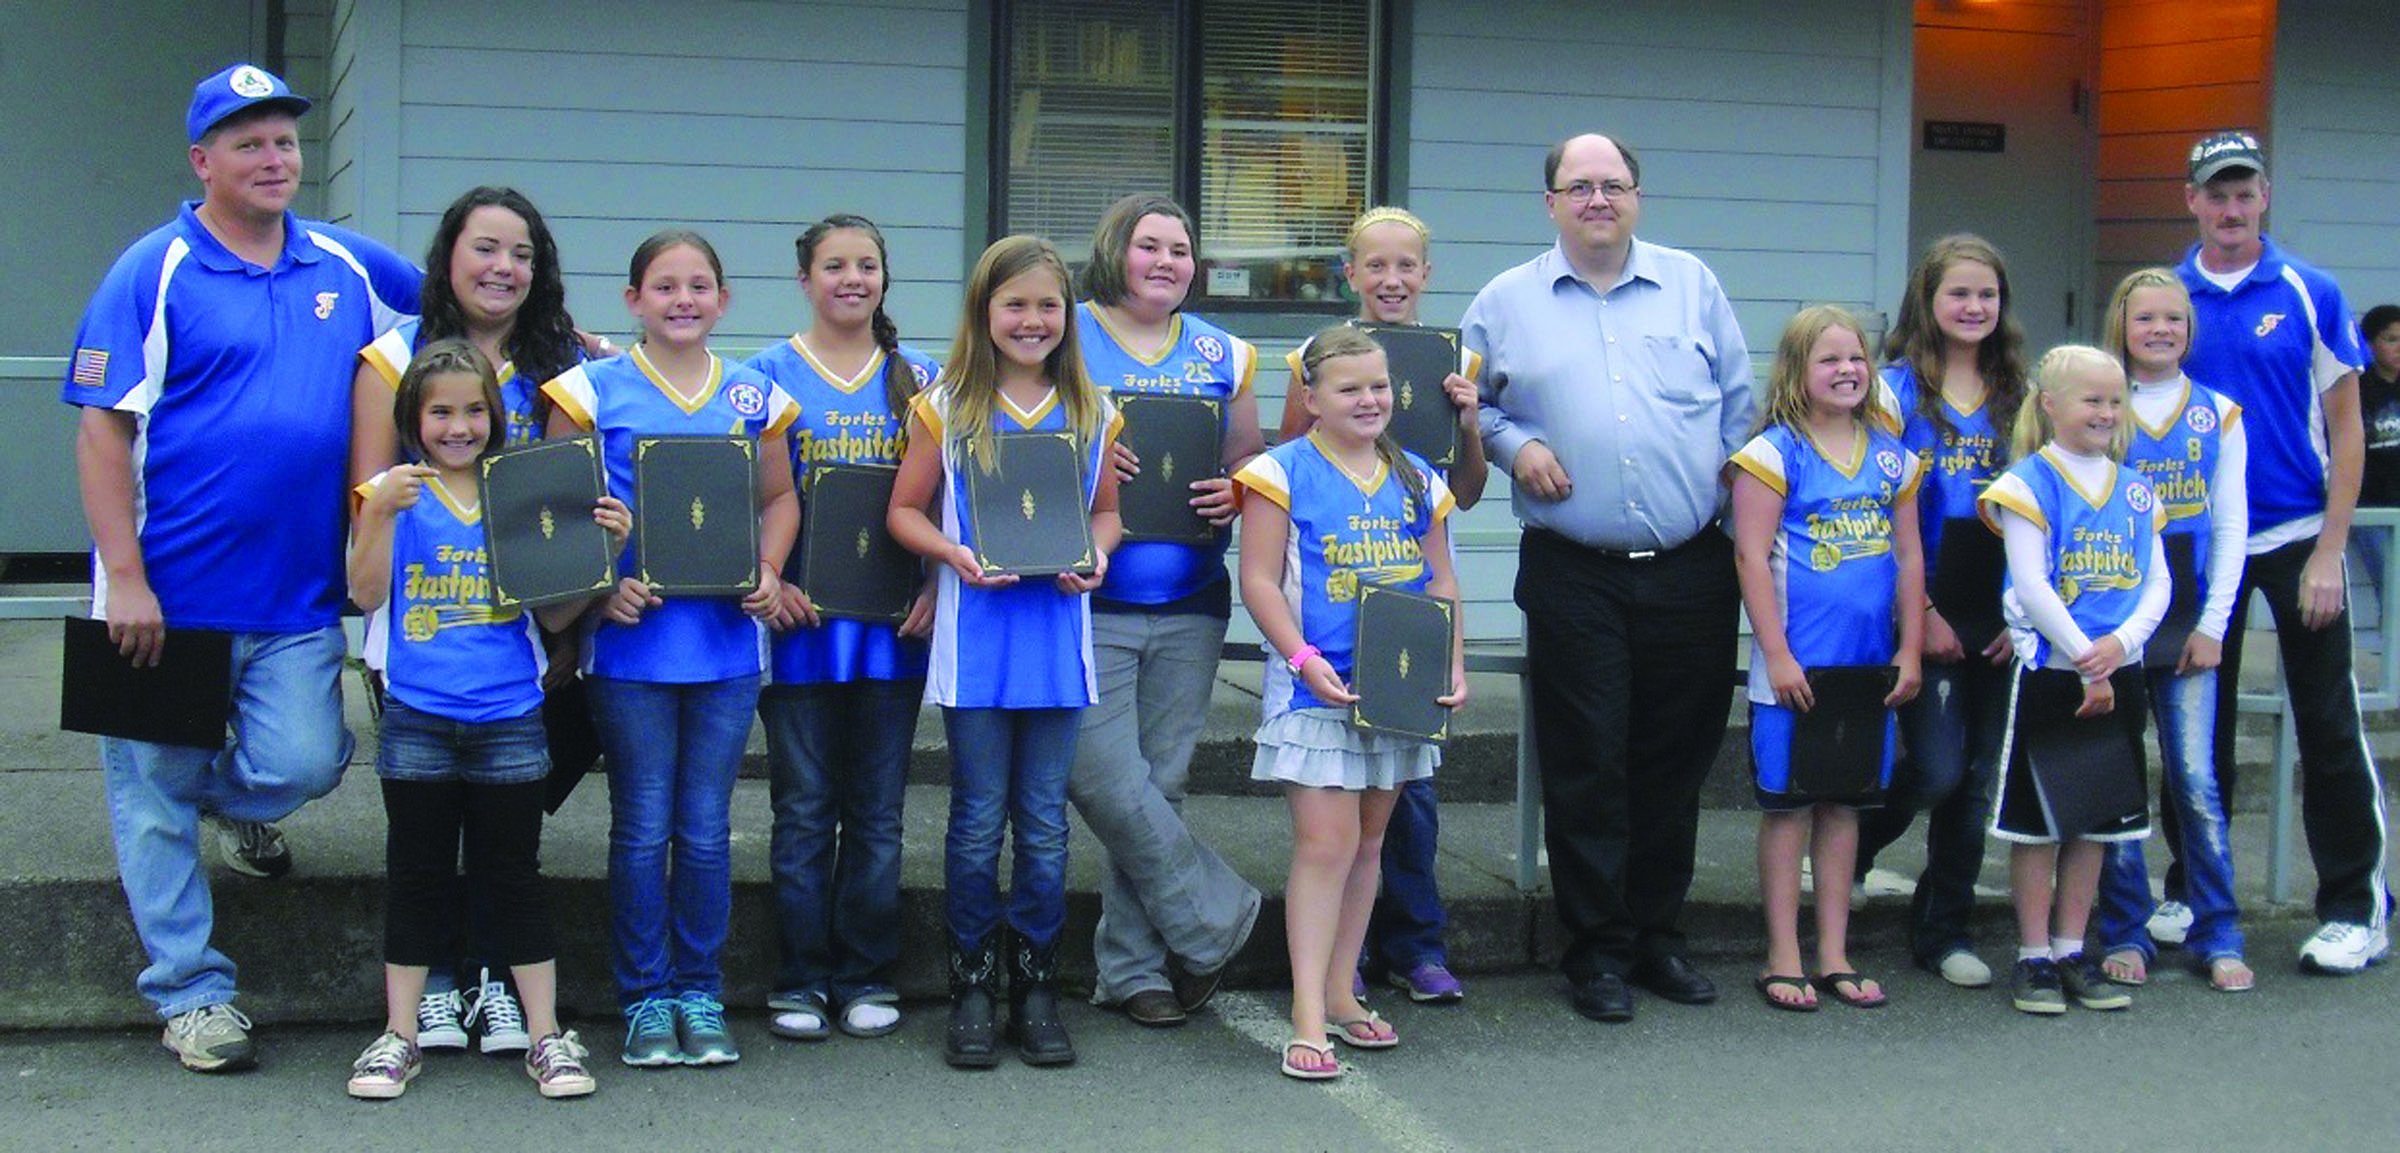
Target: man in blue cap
x=213, y=371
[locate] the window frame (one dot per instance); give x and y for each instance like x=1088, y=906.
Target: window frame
x=1386, y=76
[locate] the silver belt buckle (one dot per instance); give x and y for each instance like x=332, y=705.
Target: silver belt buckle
x=1644, y=554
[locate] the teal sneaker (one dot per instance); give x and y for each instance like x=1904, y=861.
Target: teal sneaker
x=700, y=1023
x=650, y=1039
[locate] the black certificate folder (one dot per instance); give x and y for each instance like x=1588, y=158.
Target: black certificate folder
x=1179, y=439
x=696, y=514
x=1028, y=510
x=1420, y=358
x=1400, y=664
x=185, y=699
x=1840, y=744
x=538, y=527
x=849, y=564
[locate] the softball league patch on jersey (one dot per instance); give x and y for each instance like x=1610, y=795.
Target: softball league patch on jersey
x=2201, y=417
x=918, y=370
x=2137, y=494
x=1210, y=349
x=1889, y=462
x=746, y=398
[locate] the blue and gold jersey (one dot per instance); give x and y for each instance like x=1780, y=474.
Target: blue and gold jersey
x=1020, y=646
x=2100, y=544
x=1958, y=467
x=2180, y=462
x=1346, y=531
x=843, y=420
x=389, y=356
x=1835, y=575
x=442, y=647
x=686, y=639
x=1199, y=359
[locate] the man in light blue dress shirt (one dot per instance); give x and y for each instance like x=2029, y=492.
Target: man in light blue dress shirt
x=1615, y=386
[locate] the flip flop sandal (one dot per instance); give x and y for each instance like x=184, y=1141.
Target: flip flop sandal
x=1766, y=985
x=2223, y=982
x=1373, y=1023
x=1831, y=984
x=1306, y=1072
x=2132, y=957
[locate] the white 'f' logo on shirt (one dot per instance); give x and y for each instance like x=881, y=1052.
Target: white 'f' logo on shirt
x=325, y=302
x=2267, y=323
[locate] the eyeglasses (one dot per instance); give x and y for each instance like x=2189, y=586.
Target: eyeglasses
x=1581, y=192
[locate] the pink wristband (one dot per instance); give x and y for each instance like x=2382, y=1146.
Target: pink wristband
x=1300, y=656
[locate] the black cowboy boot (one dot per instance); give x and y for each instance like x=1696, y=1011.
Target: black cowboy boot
x=974, y=1005
x=1033, y=1024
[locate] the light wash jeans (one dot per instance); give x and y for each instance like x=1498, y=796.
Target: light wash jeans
x=1164, y=893
x=288, y=748
x=2186, y=710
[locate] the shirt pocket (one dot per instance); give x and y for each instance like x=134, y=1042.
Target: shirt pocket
x=1685, y=373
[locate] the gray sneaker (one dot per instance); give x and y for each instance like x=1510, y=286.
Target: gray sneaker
x=210, y=1039
x=650, y=1034
x=2034, y=987
x=252, y=848
x=2082, y=979
x=700, y=1027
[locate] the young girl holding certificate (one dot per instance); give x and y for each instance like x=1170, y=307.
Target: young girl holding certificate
x=462, y=749
x=1012, y=660
x=2188, y=442
x=2086, y=586
x=1323, y=515
x=1388, y=266
x=841, y=704
x=674, y=680
x=1825, y=539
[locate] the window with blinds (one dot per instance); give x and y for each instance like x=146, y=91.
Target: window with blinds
x=1260, y=115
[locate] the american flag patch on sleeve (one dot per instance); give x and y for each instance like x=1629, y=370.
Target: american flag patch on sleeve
x=91, y=367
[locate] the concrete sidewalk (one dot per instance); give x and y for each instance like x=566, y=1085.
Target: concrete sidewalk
x=309, y=944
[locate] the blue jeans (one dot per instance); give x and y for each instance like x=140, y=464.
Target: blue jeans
x=1951, y=733
x=1008, y=767
x=1406, y=928
x=839, y=756
x=673, y=751
x=288, y=747
x=2186, y=708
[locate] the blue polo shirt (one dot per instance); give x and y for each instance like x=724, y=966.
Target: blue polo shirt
x=240, y=379
x=2273, y=345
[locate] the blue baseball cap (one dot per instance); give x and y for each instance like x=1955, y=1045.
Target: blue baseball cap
x=236, y=88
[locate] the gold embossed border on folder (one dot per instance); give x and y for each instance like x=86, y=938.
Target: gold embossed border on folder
x=513, y=587
x=703, y=539
x=1402, y=637
x=1029, y=513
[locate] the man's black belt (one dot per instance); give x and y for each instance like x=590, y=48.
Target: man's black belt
x=1634, y=556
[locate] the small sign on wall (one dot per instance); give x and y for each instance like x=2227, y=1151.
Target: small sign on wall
x=1965, y=136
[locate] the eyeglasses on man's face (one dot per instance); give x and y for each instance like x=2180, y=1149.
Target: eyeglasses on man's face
x=1580, y=192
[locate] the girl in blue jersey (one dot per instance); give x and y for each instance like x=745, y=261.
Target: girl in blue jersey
x=1012, y=660
x=841, y=704
x=1388, y=267
x=2188, y=443
x=1825, y=538
x=675, y=681
x=492, y=279
x=2086, y=586
x=1172, y=912
x=1953, y=383
x=1323, y=514
x=462, y=749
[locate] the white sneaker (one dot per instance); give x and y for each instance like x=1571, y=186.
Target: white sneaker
x=2171, y=923
x=1964, y=969
x=2344, y=947
x=1882, y=882
x=210, y=1039
x=438, y=1023
x=498, y=1018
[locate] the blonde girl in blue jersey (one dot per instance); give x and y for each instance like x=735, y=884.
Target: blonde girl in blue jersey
x=462, y=749
x=840, y=707
x=492, y=279
x=1172, y=912
x=1012, y=660
x=674, y=681
x=2087, y=584
x=1953, y=382
x=1825, y=540
x=2189, y=442
x=1345, y=483
x=1388, y=265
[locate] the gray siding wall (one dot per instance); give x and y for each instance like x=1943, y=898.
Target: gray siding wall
x=741, y=120
x=2336, y=137
x=307, y=47
x=1774, y=144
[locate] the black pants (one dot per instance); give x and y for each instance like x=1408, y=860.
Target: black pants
x=1631, y=671
x=2341, y=795
x=503, y=828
